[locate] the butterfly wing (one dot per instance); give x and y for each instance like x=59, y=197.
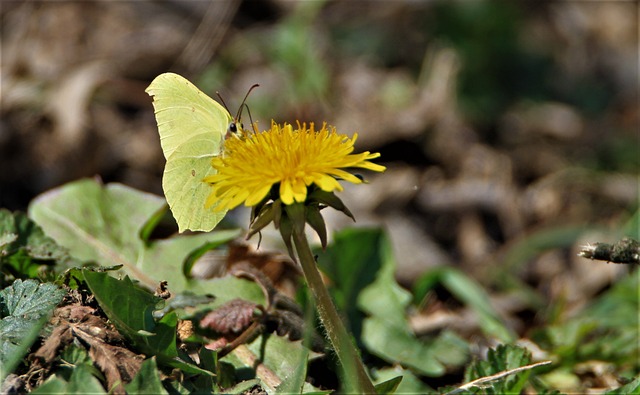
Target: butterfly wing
x=192, y=128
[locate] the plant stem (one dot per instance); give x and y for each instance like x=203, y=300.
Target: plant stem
x=336, y=331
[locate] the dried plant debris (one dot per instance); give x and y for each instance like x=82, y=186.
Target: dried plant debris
x=78, y=325
x=232, y=317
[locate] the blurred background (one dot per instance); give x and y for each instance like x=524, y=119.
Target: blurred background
x=500, y=122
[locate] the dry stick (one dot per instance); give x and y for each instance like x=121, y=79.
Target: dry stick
x=336, y=331
x=485, y=380
x=626, y=250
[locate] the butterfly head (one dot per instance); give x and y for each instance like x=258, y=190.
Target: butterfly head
x=236, y=128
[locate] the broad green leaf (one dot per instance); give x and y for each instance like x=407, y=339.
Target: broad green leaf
x=24, y=308
x=386, y=332
x=147, y=381
x=103, y=223
x=131, y=309
x=29, y=299
x=395, y=343
x=384, y=298
x=292, y=384
x=277, y=353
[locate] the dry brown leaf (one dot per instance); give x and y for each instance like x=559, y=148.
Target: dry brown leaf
x=232, y=317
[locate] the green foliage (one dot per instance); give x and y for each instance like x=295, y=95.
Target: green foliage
x=351, y=263
x=24, y=308
x=112, y=225
x=361, y=266
x=390, y=386
x=147, y=381
x=294, y=52
x=24, y=248
x=468, y=292
x=496, y=69
x=500, y=359
x=606, y=330
x=410, y=383
x=631, y=388
x=282, y=357
x=81, y=382
x=130, y=309
x=103, y=223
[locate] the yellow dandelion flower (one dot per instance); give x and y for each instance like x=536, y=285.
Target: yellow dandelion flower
x=292, y=158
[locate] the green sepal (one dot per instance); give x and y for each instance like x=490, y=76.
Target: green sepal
x=296, y=213
x=286, y=231
x=331, y=200
x=263, y=218
x=315, y=220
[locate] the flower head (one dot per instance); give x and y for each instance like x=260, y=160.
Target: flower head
x=287, y=176
x=292, y=159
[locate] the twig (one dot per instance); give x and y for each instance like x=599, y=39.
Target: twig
x=485, y=380
x=625, y=251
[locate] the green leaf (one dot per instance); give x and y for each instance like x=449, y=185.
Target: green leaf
x=500, y=359
x=293, y=383
x=367, y=256
x=605, y=330
x=277, y=353
x=352, y=262
x=24, y=308
x=384, y=298
x=410, y=383
x=53, y=385
x=81, y=382
x=243, y=387
x=24, y=246
x=395, y=343
x=103, y=223
x=29, y=299
x=153, y=221
x=131, y=308
x=390, y=386
x=147, y=381
x=630, y=388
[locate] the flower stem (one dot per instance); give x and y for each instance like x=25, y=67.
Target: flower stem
x=335, y=329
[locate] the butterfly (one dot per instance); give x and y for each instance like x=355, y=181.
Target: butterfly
x=192, y=128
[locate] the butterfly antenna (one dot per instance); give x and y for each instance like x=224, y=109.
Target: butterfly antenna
x=255, y=128
x=222, y=100
x=245, y=99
